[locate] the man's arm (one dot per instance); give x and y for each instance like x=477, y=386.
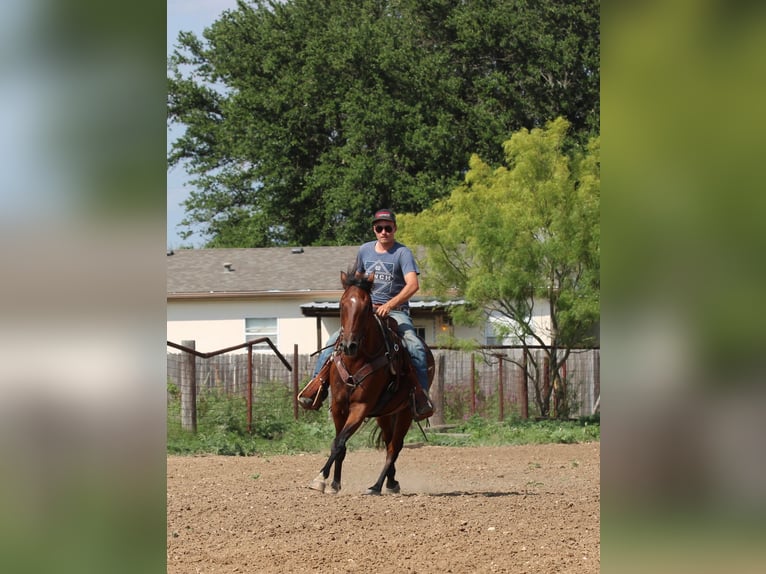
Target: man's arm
x=411, y=286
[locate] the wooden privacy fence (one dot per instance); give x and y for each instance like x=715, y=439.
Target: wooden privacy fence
x=465, y=383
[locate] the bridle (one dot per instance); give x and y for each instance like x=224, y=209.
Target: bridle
x=381, y=357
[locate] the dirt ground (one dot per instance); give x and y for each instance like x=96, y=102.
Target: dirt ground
x=483, y=509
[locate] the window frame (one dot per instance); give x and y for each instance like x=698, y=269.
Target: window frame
x=266, y=330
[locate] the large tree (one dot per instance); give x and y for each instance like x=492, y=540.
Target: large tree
x=519, y=236
x=301, y=117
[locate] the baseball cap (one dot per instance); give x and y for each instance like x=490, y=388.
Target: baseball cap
x=384, y=214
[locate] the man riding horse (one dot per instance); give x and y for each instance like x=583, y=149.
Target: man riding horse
x=396, y=281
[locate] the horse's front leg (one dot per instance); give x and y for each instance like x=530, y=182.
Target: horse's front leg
x=337, y=454
x=356, y=416
x=334, y=487
x=354, y=420
x=339, y=416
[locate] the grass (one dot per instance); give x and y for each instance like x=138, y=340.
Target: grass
x=222, y=428
x=477, y=431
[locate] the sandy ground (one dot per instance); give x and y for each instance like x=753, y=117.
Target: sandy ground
x=483, y=509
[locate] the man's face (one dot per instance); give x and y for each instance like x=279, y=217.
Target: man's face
x=384, y=230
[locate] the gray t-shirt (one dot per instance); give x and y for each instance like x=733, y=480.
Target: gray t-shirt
x=389, y=268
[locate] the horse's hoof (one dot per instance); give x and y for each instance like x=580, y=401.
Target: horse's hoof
x=393, y=490
x=317, y=484
x=332, y=489
x=372, y=492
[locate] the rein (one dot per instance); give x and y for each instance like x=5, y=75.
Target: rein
x=356, y=379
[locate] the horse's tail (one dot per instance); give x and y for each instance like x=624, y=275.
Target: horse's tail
x=376, y=438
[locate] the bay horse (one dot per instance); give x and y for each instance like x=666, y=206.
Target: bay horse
x=370, y=377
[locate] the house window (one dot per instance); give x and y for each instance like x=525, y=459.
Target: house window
x=421, y=331
x=255, y=328
x=490, y=335
x=498, y=331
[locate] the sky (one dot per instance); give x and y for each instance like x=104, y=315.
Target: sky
x=193, y=16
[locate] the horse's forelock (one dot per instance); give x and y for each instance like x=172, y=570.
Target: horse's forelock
x=354, y=279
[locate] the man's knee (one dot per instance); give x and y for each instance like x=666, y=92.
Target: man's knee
x=416, y=348
x=411, y=339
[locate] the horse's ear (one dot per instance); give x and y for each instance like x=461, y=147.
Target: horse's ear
x=371, y=277
x=343, y=277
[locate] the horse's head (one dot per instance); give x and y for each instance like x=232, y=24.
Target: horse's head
x=355, y=311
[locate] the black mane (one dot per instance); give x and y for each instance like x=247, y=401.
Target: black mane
x=354, y=279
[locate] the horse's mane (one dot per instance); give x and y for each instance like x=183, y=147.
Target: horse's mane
x=354, y=279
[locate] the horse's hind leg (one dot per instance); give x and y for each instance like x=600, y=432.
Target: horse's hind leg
x=386, y=432
x=394, y=429
x=402, y=425
x=392, y=485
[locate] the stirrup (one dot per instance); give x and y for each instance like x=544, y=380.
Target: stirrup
x=427, y=410
x=319, y=397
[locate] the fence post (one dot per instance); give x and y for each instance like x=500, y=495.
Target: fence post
x=562, y=404
x=295, y=381
x=473, y=384
x=596, y=380
x=189, y=389
x=547, y=389
x=524, y=387
x=501, y=414
x=249, y=389
x=438, y=395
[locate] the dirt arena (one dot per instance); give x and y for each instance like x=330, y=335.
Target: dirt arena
x=483, y=509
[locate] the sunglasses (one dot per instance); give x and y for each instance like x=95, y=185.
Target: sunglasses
x=387, y=228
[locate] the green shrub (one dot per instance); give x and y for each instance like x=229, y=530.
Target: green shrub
x=222, y=427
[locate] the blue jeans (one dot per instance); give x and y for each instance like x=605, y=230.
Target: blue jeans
x=410, y=339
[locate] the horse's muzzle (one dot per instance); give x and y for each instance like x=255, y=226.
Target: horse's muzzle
x=350, y=349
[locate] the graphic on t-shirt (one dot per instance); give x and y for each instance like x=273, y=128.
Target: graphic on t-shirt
x=384, y=278
x=389, y=267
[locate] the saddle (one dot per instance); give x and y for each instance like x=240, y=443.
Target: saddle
x=399, y=364
x=390, y=329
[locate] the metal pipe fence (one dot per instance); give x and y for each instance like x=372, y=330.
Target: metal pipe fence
x=489, y=382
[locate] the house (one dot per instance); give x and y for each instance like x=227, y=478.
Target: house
x=223, y=297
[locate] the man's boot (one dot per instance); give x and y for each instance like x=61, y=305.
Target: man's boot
x=315, y=392
x=424, y=408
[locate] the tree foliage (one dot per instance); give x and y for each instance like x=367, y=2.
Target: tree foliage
x=521, y=235
x=302, y=117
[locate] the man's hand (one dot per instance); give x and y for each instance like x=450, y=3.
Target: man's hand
x=383, y=310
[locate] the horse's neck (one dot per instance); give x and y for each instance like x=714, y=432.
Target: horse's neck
x=373, y=343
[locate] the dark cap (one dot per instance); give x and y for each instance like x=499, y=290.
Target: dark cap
x=384, y=214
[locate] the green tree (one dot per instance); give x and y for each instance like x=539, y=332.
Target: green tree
x=302, y=117
x=518, y=236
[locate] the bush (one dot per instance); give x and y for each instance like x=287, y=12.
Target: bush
x=222, y=427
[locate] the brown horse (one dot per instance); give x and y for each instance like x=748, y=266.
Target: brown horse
x=371, y=376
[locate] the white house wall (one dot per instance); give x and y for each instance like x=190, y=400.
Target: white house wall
x=540, y=322
x=217, y=324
